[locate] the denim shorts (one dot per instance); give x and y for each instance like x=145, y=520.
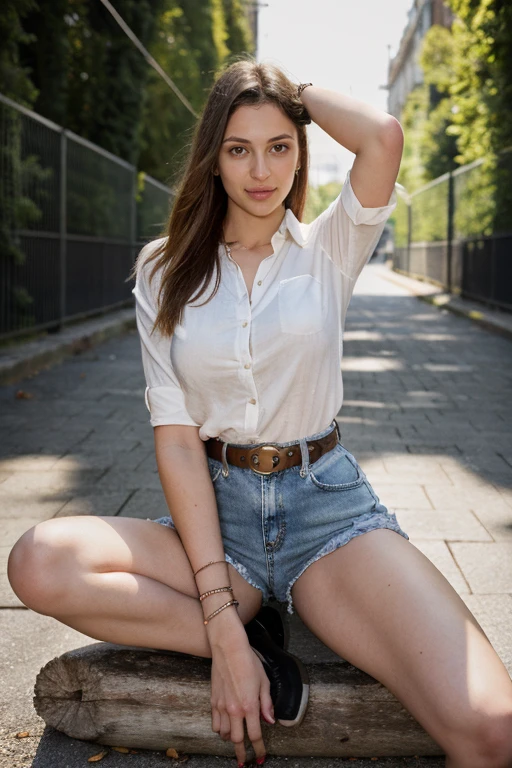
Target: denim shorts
x=274, y=526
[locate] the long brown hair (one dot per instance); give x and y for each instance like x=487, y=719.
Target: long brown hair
x=189, y=255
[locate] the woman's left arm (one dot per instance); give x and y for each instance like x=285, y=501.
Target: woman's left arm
x=374, y=136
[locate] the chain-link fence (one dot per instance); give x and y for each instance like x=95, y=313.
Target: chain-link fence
x=72, y=218
x=457, y=231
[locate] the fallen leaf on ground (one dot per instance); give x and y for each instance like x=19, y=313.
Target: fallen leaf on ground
x=22, y=734
x=99, y=756
x=171, y=753
x=21, y=394
x=124, y=750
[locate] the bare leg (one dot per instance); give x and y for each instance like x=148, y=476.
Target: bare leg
x=379, y=603
x=120, y=580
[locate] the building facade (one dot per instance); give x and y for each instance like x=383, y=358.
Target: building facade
x=404, y=72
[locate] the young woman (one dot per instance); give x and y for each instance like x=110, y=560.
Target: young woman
x=243, y=389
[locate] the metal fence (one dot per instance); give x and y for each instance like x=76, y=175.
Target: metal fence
x=457, y=231
x=72, y=219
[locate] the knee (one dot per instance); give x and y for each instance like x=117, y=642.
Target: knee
x=35, y=566
x=486, y=743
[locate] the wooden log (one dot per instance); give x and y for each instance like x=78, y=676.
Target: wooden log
x=137, y=697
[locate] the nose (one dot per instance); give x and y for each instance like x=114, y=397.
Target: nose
x=259, y=168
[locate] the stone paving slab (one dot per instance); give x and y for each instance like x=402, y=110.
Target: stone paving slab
x=443, y=525
x=487, y=567
x=146, y=503
x=129, y=458
x=7, y=597
x=12, y=528
x=27, y=483
x=30, y=507
x=439, y=554
x=469, y=494
x=116, y=478
x=96, y=503
x=401, y=496
x=494, y=614
x=17, y=361
x=28, y=640
x=489, y=318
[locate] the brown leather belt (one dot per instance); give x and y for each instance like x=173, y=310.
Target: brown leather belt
x=268, y=457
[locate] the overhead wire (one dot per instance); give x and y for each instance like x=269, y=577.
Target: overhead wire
x=149, y=58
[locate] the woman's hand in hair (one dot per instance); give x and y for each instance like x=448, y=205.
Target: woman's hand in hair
x=240, y=690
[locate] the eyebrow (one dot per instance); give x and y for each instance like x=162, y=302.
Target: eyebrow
x=246, y=141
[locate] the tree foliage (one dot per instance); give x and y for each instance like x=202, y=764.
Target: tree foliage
x=15, y=81
x=73, y=64
x=463, y=112
x=482, y=86
x=194, y=39
x=89, y=75
x=319, y=198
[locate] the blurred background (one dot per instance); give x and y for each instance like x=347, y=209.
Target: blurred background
x=98, y=102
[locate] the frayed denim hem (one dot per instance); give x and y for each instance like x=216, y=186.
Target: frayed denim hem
x=370, y=522
x=167, y=521
x=244, y=573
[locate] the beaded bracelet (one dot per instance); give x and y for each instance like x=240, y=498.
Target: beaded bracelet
x=301, y=87
x=214, y=591
x=231, y=602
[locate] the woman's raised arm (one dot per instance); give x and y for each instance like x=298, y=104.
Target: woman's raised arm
x=374, y=136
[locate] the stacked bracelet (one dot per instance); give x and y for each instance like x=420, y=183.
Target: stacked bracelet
x=231, y=602
x=214, y=591
x=212, y=562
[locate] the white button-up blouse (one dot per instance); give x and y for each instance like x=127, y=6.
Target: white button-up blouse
x=266, y=369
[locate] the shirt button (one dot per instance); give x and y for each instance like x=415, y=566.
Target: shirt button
x=243, y=325
x=247, y=365
x=252, y=401
x=259, y=282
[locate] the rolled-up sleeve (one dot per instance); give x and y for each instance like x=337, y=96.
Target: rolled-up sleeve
x=349, y=232
x=164, y=396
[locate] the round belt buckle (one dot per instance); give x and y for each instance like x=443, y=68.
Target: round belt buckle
x=263, y=457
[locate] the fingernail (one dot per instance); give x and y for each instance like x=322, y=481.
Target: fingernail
x=241, y=765
x=260, y=760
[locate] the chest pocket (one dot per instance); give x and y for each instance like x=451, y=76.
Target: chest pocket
x=300, y=305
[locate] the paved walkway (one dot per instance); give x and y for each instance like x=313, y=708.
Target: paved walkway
x=427, y=413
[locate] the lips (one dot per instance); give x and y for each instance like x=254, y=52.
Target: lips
x=260, y=194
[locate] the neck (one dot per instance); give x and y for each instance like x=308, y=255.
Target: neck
x=251, y=231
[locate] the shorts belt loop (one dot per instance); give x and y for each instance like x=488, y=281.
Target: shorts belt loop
x=225, y=468
x=304, y=451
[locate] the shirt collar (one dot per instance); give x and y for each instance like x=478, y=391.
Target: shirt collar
x=291, y=223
